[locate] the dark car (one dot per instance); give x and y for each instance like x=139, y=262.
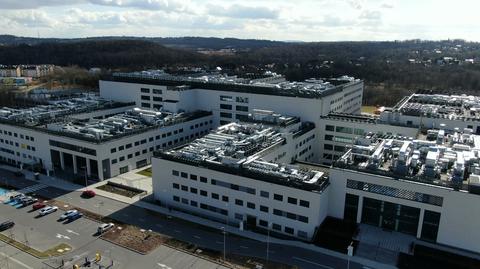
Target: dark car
x=88, y=194
x=18, y=196
x=6, y=225
x=29, y=201
x=74, y=216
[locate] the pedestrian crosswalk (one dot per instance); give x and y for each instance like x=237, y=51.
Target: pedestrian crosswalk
x=32, y=188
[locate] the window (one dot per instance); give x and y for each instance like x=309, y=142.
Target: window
x=129, y=145
x=147, y=105
x=175, y=172
x=203, y=193
x=157, y=99
x=240, y=99
x=276, y=227
x=113, y=150
x=303, y=219
x=224, y=198
x=241, y=117
x=203, y=179
x=194, y=203
x=185, y=201
x=242, y=108
x=145, y=97
x=277, y=212
x=250, y=205
x=263, y=223
x=121, y=159
x=157, y=91
x=121, y=148
x=292, y=200
x=329, y=137
x=114, y=161
x=193, y=177
x=278, y=197
x=215, y=196
x=328, y=147
x=264, y=208
x=288, y=230
x=238, y=216
x=184, y=188
x=302, y=234
x=213, y=181
x=226, y=98
x=193, y=190
x=264, y=194
x=184, y=175
x=305, y=203
x=225, y=106
x=130, y=156
x=144, y=90
x=330, y=128
x=176, y=198
x=176, y=186
x=238, y=202
x=291, y=216
x=225, y=115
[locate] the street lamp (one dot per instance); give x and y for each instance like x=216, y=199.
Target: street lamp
x=268, y=243
x=224, y=243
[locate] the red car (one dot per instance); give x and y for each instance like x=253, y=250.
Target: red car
x=38, y=205
x=88, y=194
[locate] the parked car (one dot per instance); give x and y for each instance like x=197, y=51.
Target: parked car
x=68, y=214
x=88, y=193
x=6, y=225
x=74, y=216
x=104, y=227
x=47, y=210
x=23, y=199
x=38, y=205
x=17, y=196
x=29, y=201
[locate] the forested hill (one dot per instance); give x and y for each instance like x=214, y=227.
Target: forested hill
x=133, y=54
x=193, y=43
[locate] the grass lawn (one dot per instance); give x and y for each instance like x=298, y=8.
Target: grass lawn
x=55, y=251
x=368, y=109
x=147, y=172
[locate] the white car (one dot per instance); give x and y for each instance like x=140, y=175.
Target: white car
x=68, y=214
x=105, y=227
x=47, y=210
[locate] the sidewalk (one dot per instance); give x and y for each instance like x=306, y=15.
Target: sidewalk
x=65, y=185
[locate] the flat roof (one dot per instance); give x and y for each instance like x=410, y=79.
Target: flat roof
x=444, y=159
x=310, y=88
x=237, y=148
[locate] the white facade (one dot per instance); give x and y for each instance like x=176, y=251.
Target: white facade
x=57, y=153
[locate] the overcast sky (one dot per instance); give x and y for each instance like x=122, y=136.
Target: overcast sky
x=302, y=20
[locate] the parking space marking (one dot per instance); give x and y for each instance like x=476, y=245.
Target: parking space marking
x=196, y=236
x=15, y=261
x=72, y=232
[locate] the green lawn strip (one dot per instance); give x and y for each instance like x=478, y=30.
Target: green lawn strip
x=34, y=252
x=147, y=172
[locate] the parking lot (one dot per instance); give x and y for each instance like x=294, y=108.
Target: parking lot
x=45, y=232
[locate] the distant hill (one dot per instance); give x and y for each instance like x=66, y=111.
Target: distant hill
x=193, y=43
x=135, y=54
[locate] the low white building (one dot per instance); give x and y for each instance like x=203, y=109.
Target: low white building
x=233, y=175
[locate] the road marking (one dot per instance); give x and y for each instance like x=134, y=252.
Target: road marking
x=60, y=236
x=72, y=232
x=314, y=263
x=196, y=236
x=16, y=261
x=243, y=247
x=164, y=266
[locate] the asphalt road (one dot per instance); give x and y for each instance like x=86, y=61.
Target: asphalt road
x=194, y=234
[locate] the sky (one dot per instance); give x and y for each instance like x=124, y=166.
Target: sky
x=286, y=20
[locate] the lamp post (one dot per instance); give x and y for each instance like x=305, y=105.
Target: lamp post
x=268, y=245
x=224, y=243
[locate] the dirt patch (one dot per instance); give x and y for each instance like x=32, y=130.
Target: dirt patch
x=119, y=190
x=131, y=237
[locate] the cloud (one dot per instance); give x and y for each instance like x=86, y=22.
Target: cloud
x=30, y=4
x=356, y=4
x=243, y=12
x=387, y=5
x=334, y=21
x=165, y=5
x=32, y=18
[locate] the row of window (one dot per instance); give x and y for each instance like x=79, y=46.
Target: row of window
x=304, y=141
x=26, y=137
x=238, y=108
x=147, y=90
x=238, y=216
x=154, y=106
x=345, y=130
x=239, y=99
x=23, y=146
x=24, y=155
x=154, y=98
x=352, y=92
x=150, y=139
x=264, y=194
